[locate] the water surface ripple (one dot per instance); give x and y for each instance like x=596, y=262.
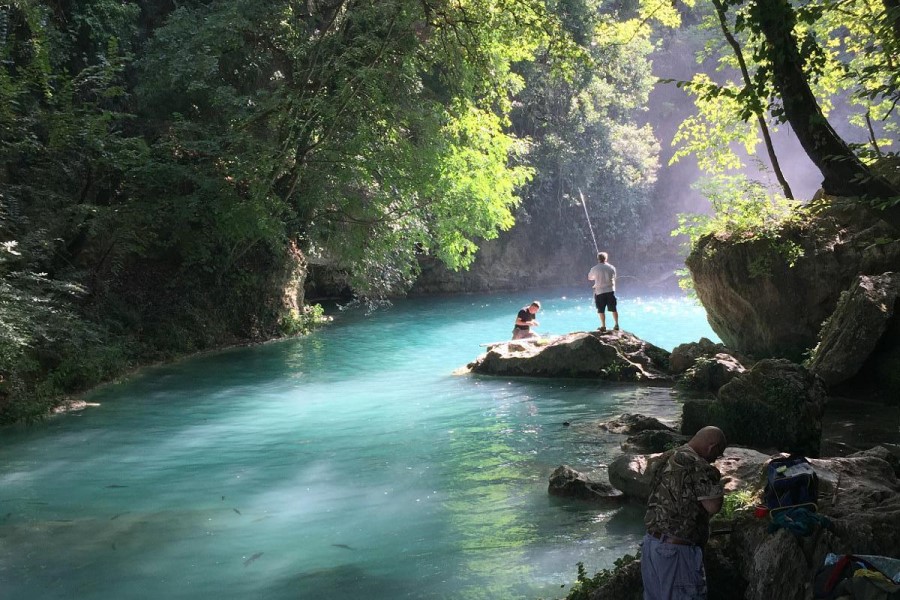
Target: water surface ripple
x=350, y=463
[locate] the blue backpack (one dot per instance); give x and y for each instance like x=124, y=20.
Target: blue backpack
x=791, y=482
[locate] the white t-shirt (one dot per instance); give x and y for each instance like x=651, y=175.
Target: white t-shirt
x=604, y=277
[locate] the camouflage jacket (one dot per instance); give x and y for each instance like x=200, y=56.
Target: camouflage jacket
x=680, y=482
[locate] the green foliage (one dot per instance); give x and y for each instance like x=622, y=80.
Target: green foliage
x=686, y=282
x=154, y=182
x=347, y=128
x=582, y=125
x=857, y=48
x=584, y=586
x=736, y=501
x=848, y=50
x=744, y=211
x=302, y=321
x=711, y=135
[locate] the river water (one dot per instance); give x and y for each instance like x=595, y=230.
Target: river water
x=347, y=464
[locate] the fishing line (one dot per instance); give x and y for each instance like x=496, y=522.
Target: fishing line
x=588, y=218
x=593, y=237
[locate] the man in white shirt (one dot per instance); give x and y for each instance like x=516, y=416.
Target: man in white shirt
x=603, y=275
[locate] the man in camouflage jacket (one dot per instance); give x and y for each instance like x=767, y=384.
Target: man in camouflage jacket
x=686, y=491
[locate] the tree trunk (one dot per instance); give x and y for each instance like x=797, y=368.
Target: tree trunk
x=748, y=84
x=844, y=174
x=892, y=13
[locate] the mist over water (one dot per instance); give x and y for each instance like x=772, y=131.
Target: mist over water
x=350, y=463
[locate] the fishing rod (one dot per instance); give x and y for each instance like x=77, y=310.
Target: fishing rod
x=588, y=218
x=591, y=227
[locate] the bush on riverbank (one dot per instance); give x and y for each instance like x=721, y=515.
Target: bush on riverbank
x=58, y=340
x=585, y=588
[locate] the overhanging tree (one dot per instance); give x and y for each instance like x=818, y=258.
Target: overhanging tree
x=844, y=173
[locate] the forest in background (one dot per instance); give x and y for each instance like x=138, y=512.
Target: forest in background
x=169, y=169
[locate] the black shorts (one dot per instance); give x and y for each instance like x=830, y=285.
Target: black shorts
x=604, y=301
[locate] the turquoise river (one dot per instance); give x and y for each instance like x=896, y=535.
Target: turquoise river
x=348, y=464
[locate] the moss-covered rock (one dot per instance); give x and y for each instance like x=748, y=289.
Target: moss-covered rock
x=709, y=374
x=775, y=405
x=850, y=335
x=766, y=302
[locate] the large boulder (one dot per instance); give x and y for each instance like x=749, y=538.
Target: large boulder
x=709, y=374
x=775, y=405
x=741, y=468
x=890, y=453
x=566, y=482
x=852, y=333
x=762, y=299
x=861, y=498
x=633, y=473
x=685, y=355
x=654, y=440
x=646, y=435
x=614, y=356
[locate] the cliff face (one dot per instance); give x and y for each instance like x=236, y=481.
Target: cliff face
x=522, y=259
x=761, y=305
x=514, y=261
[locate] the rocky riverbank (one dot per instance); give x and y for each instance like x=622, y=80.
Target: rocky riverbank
x=746, y=558
x=765, y=407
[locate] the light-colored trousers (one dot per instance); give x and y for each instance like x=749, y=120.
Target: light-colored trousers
x=672, y=571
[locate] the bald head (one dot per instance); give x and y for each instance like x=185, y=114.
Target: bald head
x=709, y=443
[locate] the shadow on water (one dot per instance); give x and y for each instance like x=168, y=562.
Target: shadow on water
x=347, y=580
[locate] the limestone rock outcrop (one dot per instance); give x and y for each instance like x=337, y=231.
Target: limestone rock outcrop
x=852, y=333
x=613, y=356
x=864, y=510
x=708, y=375
x=685, y=356
x=763, y=300
x=776, y=405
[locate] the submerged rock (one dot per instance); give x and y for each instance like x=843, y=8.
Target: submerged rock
x=613, y=356
x=628, y=423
